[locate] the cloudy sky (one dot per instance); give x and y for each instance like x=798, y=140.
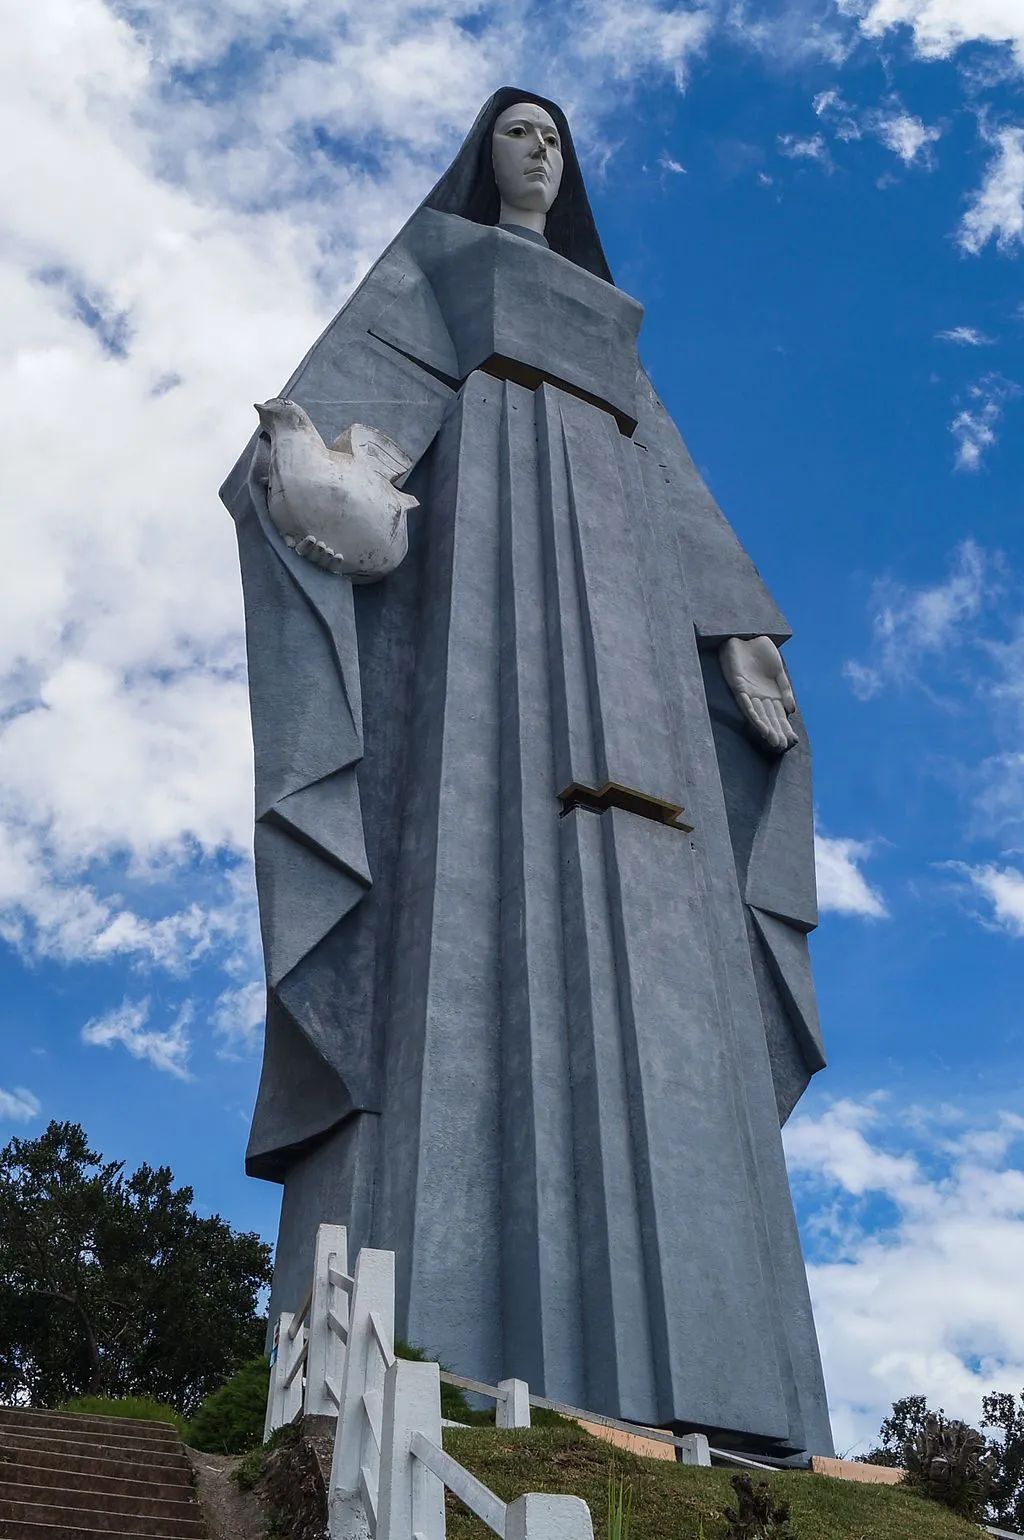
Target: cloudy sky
x=821, y=204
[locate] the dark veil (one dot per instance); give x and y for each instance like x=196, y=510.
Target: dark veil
x=468, y=187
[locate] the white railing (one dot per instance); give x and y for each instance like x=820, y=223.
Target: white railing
x=335, y=1357
x=309, y=1344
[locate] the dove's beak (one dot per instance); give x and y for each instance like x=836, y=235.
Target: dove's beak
x=263, y=412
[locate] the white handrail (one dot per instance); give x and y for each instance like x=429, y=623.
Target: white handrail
x=383, y=1340
x=467, y=1488
x=298, y=1319
x=307, y=1361
x=692, y=1453
x=300, y=1359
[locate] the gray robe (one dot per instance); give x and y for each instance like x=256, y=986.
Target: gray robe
x=541, y=1051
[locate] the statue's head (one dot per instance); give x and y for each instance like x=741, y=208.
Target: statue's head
x=526, y=153
x=518, y=165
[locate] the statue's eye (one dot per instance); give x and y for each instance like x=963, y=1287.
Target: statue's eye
x=517, y=130
x=552, y=141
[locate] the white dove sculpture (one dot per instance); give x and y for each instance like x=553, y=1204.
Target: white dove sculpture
x=338, y=507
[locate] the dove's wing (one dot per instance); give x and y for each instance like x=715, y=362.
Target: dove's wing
x=371, y=444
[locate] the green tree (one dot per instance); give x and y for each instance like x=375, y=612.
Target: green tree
x=1006, y=1412
x=904, y=1422
x=112, y=1285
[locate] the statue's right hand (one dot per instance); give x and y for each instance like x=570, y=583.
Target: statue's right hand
x=317, y=552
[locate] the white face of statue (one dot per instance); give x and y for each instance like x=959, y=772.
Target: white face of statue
x=526, y=151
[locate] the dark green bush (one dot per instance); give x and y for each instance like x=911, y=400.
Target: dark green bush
x=138, y=1408
x=230, y=1420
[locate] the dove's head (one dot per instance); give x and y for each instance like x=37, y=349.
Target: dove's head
x=279, y=412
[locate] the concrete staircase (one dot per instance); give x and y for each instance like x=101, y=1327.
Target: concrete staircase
x=69, y=1477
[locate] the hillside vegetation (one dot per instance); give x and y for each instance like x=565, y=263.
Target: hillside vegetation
x=678, y=1502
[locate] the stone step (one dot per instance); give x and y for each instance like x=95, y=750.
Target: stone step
x=82, y=1422
x=116, y=1522
x=45, y=1477
x=21, y=1529
x=101, y=1446
x=81, y=1459
x=88, y=1500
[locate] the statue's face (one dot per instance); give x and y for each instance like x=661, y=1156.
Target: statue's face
x=526, y=151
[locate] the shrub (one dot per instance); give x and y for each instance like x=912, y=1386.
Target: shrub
x=756, y=1516
x=137, y=1408
x=951, y=1463
x=231, y=1419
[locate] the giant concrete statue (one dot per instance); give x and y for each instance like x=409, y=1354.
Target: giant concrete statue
x=533, y=828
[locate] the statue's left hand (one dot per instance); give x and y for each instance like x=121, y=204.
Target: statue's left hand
x=756, y=674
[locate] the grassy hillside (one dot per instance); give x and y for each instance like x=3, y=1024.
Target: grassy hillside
x=678, y=1502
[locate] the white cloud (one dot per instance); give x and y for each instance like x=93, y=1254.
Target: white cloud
x=166, y=1050
x=916, y=1250
x=842, y=886
x=812, y=147
x=907, y=136
x=999, y=794
x=996, y=211
x=53, y=916
x=835, y=1146
x=911, y=624
x=19, y=1105
x=1003, y=887
x=632, y=41
x=974, y=426
x=676, y=167
x=789, y=35
x=238, y=1018
x=842, y=119
x=901, y=131
x=965, y=336
x=940, y=27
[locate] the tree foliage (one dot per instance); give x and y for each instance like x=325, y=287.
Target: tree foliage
x=111, y=1285
x=903, y=1423
x=1005, y=1412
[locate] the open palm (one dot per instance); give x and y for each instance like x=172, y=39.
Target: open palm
x=757, y=676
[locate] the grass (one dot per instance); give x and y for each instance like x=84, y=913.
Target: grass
x=680, y=1502
x=137, y=1408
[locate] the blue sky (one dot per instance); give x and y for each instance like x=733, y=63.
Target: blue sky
x=821, y=206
